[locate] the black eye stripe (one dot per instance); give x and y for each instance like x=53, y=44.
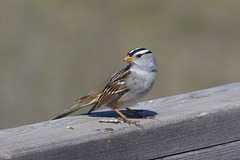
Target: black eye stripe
x=134, y=51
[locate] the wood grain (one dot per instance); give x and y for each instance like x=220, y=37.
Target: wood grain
x=227, y=151
x=181, y=124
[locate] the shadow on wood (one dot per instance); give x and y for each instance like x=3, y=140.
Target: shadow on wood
x=125, y=112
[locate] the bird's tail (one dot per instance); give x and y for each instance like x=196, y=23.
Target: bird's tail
x=85, y=101
x=88, y=100
x=69, y=111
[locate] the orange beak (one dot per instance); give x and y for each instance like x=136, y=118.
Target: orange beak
x=128, y=58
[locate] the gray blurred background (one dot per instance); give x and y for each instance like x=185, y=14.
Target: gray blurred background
x=54, y=52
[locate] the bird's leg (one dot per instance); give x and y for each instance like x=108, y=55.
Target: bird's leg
x=135, y=113
x=125, y=119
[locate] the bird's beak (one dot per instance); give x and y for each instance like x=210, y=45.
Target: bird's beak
x=128, y=58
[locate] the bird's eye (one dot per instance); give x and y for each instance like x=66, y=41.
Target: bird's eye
x=139, y=55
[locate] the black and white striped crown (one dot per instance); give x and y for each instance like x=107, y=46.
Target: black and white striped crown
x=139, y=50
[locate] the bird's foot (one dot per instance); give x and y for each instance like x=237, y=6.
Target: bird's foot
x=130, y=122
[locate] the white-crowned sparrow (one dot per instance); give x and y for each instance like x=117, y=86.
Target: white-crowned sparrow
x=125, y=88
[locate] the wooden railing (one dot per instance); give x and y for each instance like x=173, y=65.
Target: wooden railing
x=198, y=125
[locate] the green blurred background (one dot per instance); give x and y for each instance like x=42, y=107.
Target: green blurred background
x=53, y=52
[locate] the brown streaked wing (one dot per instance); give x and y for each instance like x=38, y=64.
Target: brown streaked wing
x=114, y=89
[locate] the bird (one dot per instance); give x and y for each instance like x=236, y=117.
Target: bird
x=124, y=88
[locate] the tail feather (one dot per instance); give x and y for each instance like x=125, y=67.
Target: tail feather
x=69, y=111
x=83, y=102
x=88, y=100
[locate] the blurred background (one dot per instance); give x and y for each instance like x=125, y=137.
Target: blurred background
x=54, y=52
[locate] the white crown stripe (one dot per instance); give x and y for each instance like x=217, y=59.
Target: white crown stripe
x=139, y=51
x=142, y=51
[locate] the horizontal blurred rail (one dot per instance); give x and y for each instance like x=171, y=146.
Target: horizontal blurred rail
x=197, y=125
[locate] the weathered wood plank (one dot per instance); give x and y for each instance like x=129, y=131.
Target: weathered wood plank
x=182, y=123
x=226, y=151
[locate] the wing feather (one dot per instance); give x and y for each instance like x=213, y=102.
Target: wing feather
x=114, y=89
